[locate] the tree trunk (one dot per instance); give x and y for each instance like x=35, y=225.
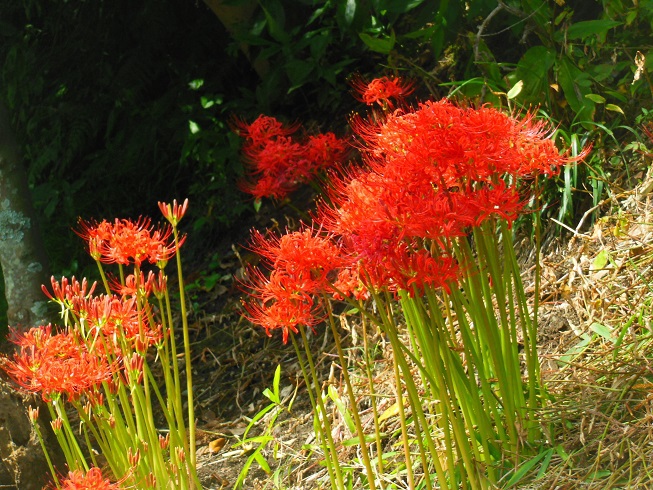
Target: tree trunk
x=22, y=256
x=234, y=16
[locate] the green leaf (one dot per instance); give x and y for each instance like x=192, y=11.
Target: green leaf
x=596, y=98
x=601, y=259
x=614, y=108
x=574, y=83
x=576, y=350
x=545, y=464
x=276, y=381
x=603, y=331
x=631, y=16
x=275, y=19
x=262, y=462
x=533, y=69
x=515, y=90
x=298, y=72
x=598, y=475
x=586, y=28
x=525, y=468
x=333, y=394
x=617, y=95
x=193, y=127
x=380, y=45
x=262, y=439
x=273, y=397
x=350, y=11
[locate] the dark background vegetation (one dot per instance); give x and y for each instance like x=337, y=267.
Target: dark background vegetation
x=119, y=104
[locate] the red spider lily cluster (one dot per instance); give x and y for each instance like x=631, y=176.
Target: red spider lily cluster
x=77, y=361
x=101, y=351
x=278, y=162
x=382, y=90
x=431, y=174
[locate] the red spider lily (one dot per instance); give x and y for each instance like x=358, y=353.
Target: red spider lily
x=382, y=90
x=304, y=264
x=266, y=186
x=432, y=174
x=413, y=271
x=321, y=151
x=173, y=212
x=63, y=292
x=117, y=319
x=279, y=163
x=95, y=235
x=305, y=256
x=273, y=168
x=55, y=365
x=349, y=283
x=279, y=303
x=128, y=242
x=160, y=285
x=499, y=201
x=90, y=480
x=456, y=146
x=264, y=128
x=132, y=287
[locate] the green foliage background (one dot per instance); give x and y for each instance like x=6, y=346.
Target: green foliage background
x=120, y=104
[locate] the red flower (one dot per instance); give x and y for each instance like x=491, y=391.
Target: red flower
x=91, y=480
x=66, y=290
x=118, y=320
x=173, y=212
x=132, y=287
x=305, y=256
x=274, y=164
x=263, y=129
x=278, y=303
x=349, y=283
x=277, y=162
x=322, y=151
x=128, y=242
x=55, y=365
x=303, y=265
x=416, y=270
x=432, y=173
x=382, y=90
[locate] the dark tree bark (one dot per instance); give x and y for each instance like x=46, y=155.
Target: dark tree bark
x=235, y=17
x=22, y=255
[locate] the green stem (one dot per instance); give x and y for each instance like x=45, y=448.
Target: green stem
x=375, y=412
x=37, y=429
x=404, y=425
x=352, y=399
x=420, y=423
x=328, y=446
x=187, y=355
